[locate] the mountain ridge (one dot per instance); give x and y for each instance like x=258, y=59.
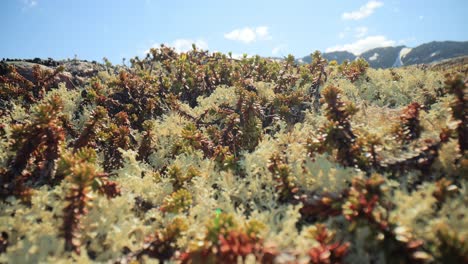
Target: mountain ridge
x=397, y=56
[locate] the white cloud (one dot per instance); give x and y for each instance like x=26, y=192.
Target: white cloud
x=278, y=49
x=245, y=35
x=249, y=34
x=421, y=17
x=364, y=44
x=182, y=45
x=262, y=33
x=364, y=11
x=361, y=32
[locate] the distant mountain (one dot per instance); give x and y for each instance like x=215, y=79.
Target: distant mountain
x=387, y=57
x=382, y=57
x=435, y=51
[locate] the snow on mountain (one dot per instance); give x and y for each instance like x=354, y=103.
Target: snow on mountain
x=402, y=54
x=435, y=53
x=374, y=57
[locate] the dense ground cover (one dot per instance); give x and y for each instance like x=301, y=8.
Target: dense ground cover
x=200, y=158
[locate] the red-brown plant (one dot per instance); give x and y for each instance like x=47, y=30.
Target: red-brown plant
x=36, y=144
x=83, y=178
x=327, y=251
x=409, y=127
x=337, y=133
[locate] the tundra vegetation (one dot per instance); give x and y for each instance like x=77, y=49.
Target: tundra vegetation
x=197, y=157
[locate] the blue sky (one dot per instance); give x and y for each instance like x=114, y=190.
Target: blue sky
x=93, y=29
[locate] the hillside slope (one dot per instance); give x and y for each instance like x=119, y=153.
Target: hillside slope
x=387, y=57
